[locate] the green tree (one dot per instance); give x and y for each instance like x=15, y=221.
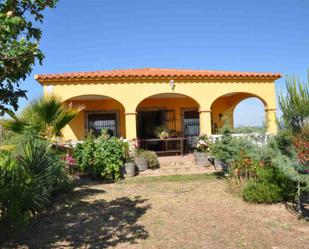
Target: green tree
x=19, y=46
x=295, y=104
x=47, y=116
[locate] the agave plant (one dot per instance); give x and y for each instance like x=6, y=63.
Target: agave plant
x=47, y=116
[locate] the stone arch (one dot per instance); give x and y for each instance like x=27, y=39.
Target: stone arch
x=167, y=95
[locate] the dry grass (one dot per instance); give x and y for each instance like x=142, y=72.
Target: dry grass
x=166, y=212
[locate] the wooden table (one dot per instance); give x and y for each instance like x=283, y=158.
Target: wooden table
x=165, y=141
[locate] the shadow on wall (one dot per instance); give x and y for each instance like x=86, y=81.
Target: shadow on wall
x=95, y=223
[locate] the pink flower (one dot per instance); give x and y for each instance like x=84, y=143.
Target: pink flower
x=70, y=161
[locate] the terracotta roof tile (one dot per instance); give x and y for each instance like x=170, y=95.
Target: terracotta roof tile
x=153, y=73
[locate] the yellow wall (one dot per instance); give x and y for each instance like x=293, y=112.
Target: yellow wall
x=131, y=92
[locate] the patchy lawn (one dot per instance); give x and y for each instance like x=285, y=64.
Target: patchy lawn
x=163, y=212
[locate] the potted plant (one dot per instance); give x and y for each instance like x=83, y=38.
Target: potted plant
x=129, y=167
x=161, y=132
x=201, y=150
x=141, y=161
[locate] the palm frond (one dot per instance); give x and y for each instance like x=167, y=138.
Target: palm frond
x=47, y=116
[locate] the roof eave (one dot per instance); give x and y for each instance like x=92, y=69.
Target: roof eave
x=43, y=80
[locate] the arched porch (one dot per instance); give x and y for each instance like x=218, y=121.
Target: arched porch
x=100, y=112
x=177, y=112
x=222, y=110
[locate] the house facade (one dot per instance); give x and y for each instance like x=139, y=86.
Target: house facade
x=132, y=103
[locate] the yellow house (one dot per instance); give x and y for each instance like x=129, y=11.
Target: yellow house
x=131, y=103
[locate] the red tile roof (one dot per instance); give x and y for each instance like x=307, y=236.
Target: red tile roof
x=155, y=73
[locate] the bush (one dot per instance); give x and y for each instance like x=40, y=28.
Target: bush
x=225, y=150
x=152, y=159
x=28, y=177
x=265, y=172
x=262, y=192
x=101, y=157
x=110, y=155
x=84, y=154
x=284, y=140
x=13, y=194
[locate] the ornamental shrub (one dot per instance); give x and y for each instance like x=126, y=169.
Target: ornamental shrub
x=262, y=192
x=152, y=159
x=101, y=157
x=225, y=150
x=13, y=194
x=84, y=154
x=28, y=177
x=265, y=172
x=109, y=157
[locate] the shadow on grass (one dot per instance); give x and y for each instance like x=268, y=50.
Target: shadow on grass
x=91, y=223
x=220, y=175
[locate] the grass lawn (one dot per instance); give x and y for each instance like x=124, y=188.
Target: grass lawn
x=195, y=211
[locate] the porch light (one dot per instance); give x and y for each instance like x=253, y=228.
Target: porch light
x=172, y=84
x=49, y=89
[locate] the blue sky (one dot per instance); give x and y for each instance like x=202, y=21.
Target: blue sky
x=240, y=35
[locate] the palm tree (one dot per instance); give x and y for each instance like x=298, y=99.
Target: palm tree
x=47, y=116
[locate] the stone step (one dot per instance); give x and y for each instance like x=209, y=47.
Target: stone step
x=171, y=161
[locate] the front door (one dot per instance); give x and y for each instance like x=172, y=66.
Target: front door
x=149, y=120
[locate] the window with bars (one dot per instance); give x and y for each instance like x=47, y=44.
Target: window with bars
x=99, y=121
x=191, y=123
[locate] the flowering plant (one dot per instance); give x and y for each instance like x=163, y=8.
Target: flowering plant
x=69, y=160
x=132, y=149
x=202, y=144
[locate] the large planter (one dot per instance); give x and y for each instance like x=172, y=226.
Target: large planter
x=141, y=163
x=129, y=169
x=201, y=159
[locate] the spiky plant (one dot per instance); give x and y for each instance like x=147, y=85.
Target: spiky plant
x=295, y=104
x=47, y=116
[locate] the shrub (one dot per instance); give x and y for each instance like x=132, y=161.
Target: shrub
x=262, y=192
x=13, y=194
x=110, y=155
x=284, y=141
x=263, y=170
x=225, y=149
x=101, y=157
x=28, y=177
x=84, y=154
x=152, y=159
